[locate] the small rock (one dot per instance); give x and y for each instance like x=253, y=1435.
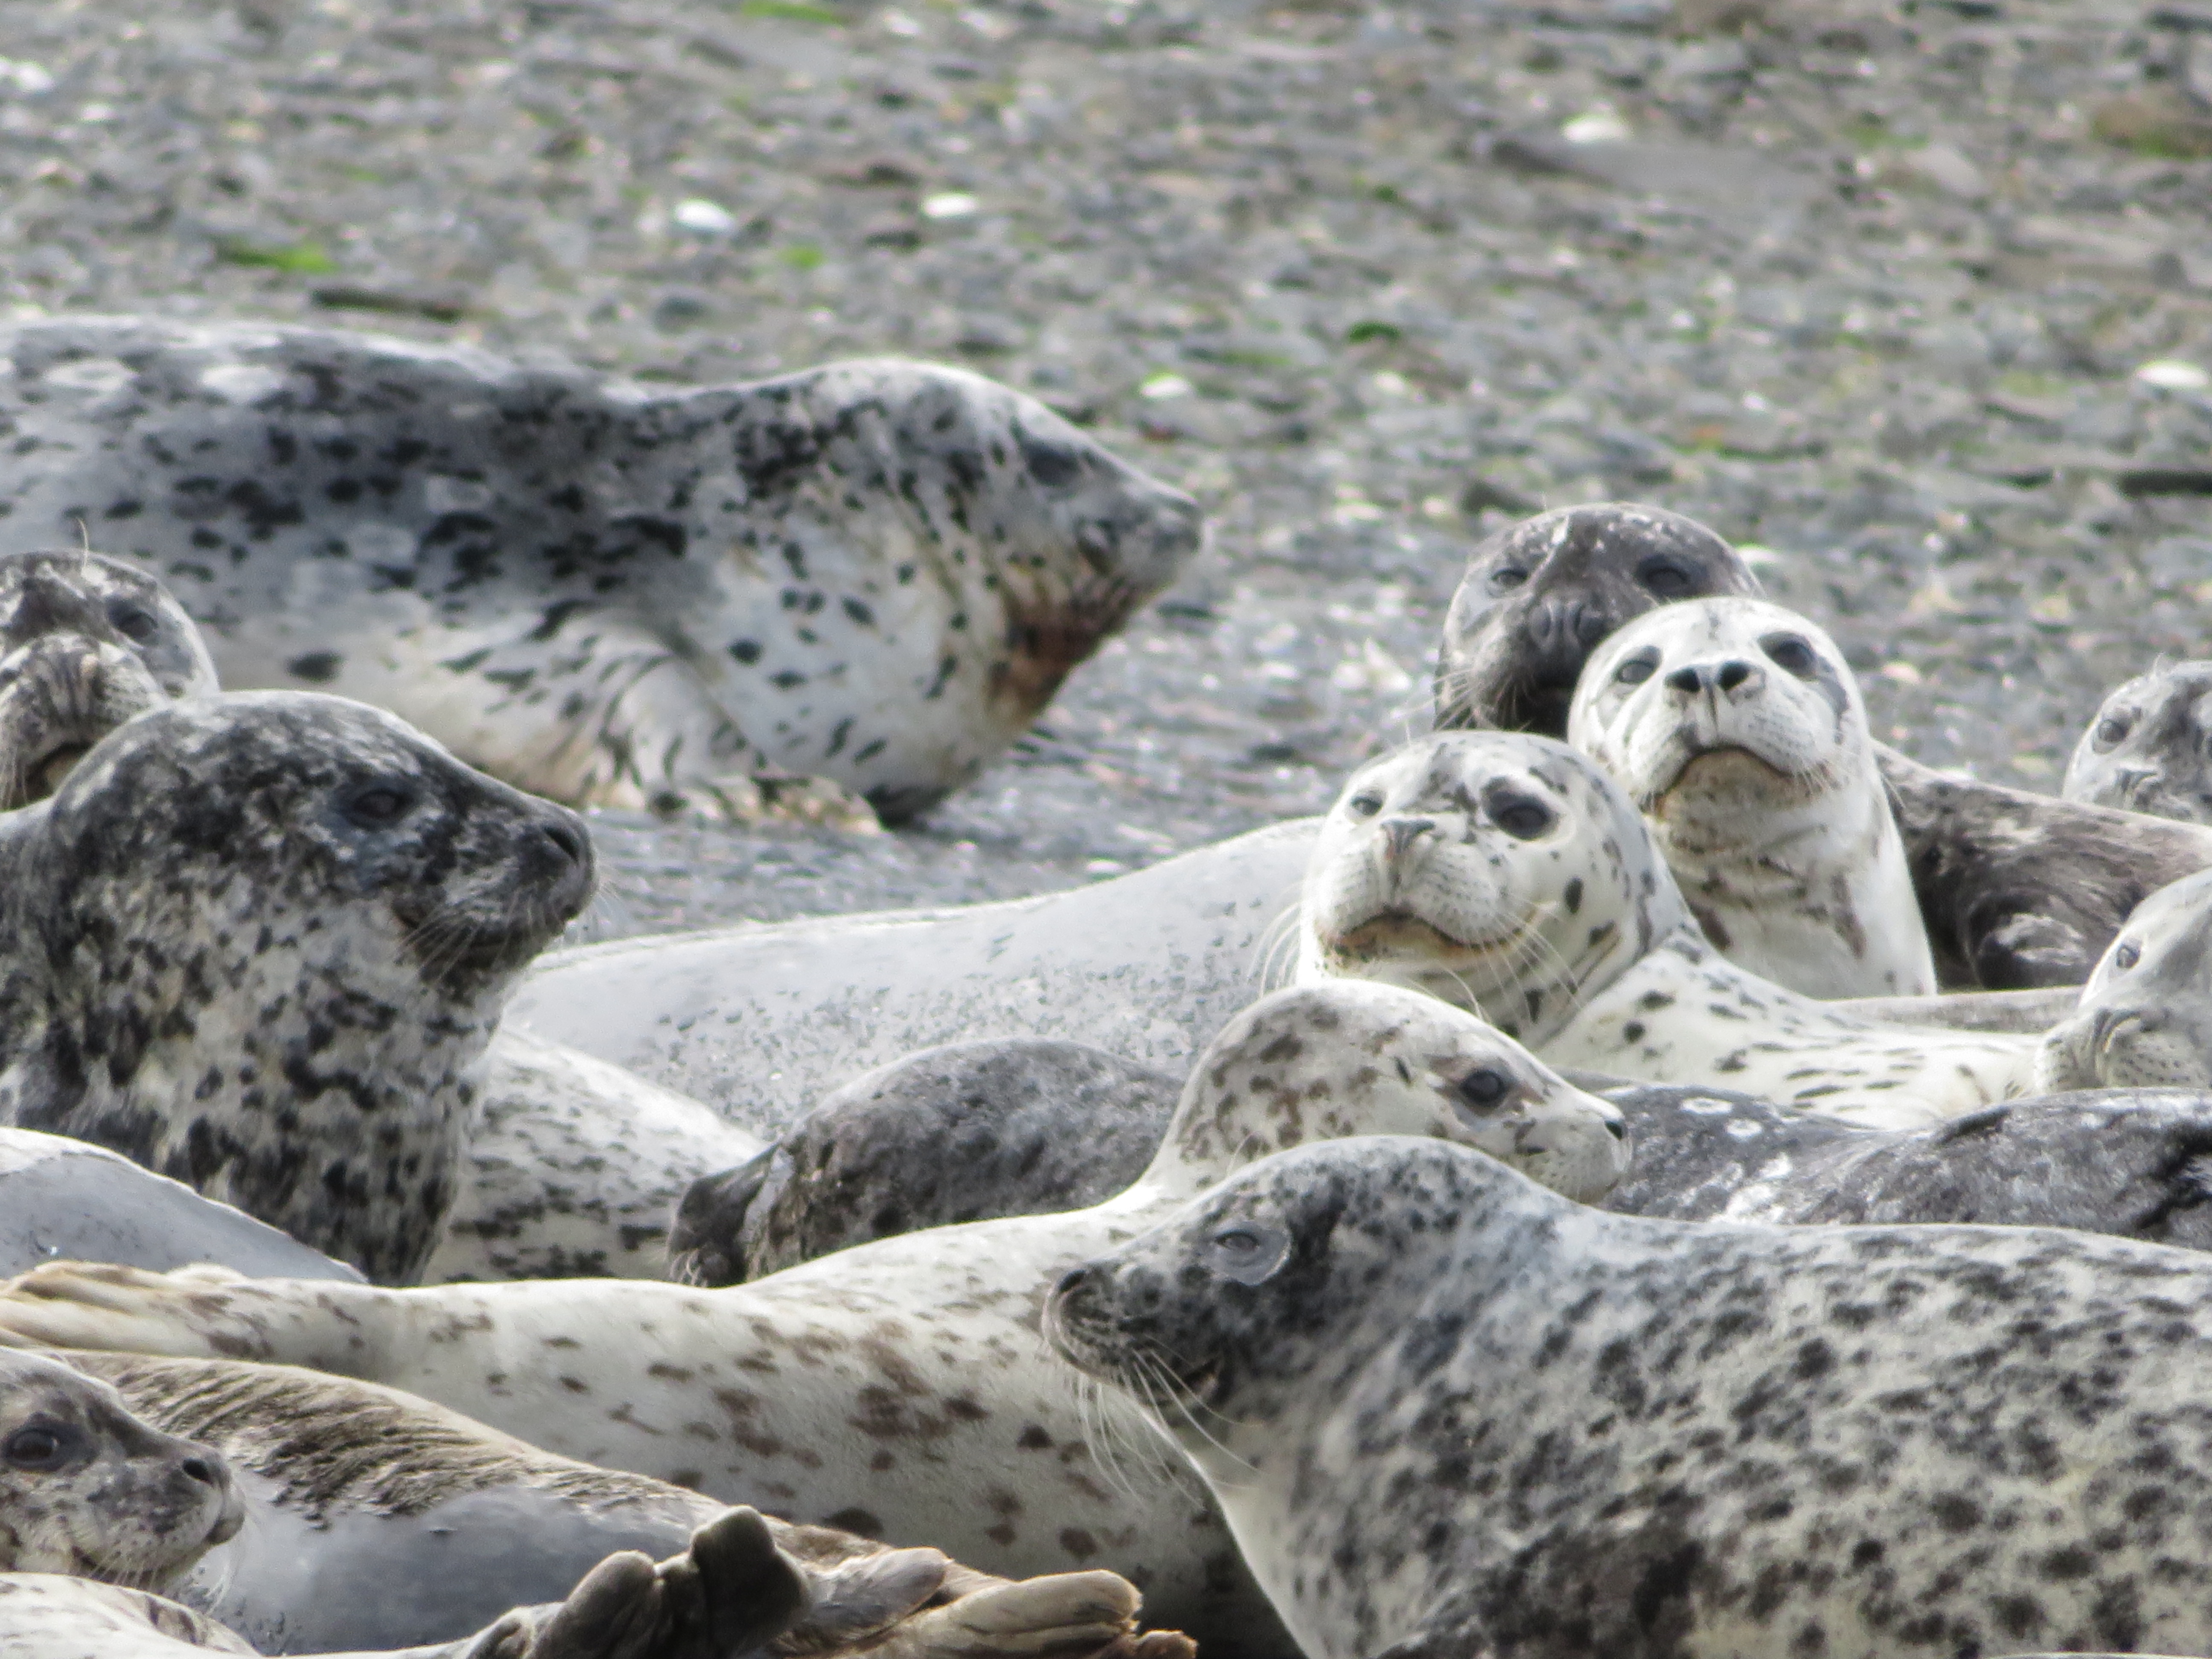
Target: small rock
x=2156, y=120
x=891, y=230
x=1706, y=60
x=983, y=338
x=680, y=308
x=1163, y=386
x=951, y=205
x=704, y=217
x=2171, y=375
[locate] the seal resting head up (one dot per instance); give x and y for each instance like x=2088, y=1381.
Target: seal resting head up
x=86, y=642
x=2145, y=1017
x=2149, y=748
x=256, y=943
x=1738, y=728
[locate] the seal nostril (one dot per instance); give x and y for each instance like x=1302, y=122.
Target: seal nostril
x=1071, y=1281
x=1590, y=626
x=200, y=1469
x=568, y=839
x=1687, y=681
x=1733, y=674
x=1615, y=1127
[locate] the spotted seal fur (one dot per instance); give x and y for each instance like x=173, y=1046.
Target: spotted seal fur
x=1447, y=1413
x=86, y=642
x=900, y=1388
x=259, y=943
x=2017, y=889
x=875, y=573
x=2148, y=748
x=1509, y=874
x=1738, y=729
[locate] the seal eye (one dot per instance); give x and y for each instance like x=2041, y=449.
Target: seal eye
x=1634, y=671
x=1790, y=653
x=133, y=621
x=1522, y=816
x=36, y=1446
x=1486, y=1088
x=1671, y=579
x=1365, y=806
x=2110, y=730
x=2127, y=956
x=379, y=805
x=1247, y=1251
x=1507, y=577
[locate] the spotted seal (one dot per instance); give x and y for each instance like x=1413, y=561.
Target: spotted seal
x=875, y=573
x=899, y=1389
x=2148, y=748
x=2143, y=1020
x=2017, y=889
x=86, y=642
x=1448, y=1412
x=260, y=942
x=1509, y=874
x=1738, y=728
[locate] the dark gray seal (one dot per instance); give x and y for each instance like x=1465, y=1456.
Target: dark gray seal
x=85, y=643
x=1021, y=1126
x=260, y=942
x=875, y=573
x=2149, y=747
x=2017, y=889
x=1447, y=1413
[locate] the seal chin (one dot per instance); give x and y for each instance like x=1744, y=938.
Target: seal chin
x=1721, y=772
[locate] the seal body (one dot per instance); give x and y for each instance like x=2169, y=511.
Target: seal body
x=900, y=1388
x=1447, y=1413
x=1738, y=729
x=875, y=573
x=2146, y=749
x=258, y=943
x=1508, y=873
x=85, y=643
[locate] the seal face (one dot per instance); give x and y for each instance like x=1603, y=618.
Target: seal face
x=2144, y=1021
x=86, y=642
x=1738, y=729
x=2149, y=748
x=1448, y=1413
x=256, y=942
x=874, y=573
x=88, y=1489
x=1538, y=595
x=1507, y=873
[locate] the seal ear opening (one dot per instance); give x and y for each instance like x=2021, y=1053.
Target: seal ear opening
x=706, y=1245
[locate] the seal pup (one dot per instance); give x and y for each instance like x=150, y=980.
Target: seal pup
x=260, y=942
x=874, y=573
x=86, y=642
x=2016, y=891
x=1448, y=1412
x=1019, y=1126
x=1507, y=874
x=2144, y=1020
x=2149, y=748
x=970, y=1435
x=1738, y=729
x=67, y=1201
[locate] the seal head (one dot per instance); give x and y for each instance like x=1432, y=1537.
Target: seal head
x=86, y=642
x=2149, y=748
x=2145, y=1017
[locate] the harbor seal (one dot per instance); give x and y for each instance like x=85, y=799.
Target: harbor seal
x=260, y=942
x=2149, y=747
x=1738, y=729
x=900, y=1388
x=1019, y=1126
x=2143, y=1020
x=85, y=643
x=1507, y=874
x=66, y=1201
x=875, y=573
x=1447, y=1413
x=2016, y=891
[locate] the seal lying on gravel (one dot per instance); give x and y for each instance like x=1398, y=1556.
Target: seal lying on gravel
x=1737, y=728
x=85, y=643
x=876, y=573
x=1507, y=874
x=349, y=1489
x=971, y=1436
x=2017, y=889
x=2149, y=748
x=2145, y=1017
x=1447, y=1413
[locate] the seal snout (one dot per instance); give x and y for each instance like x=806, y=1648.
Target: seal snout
x=1734, y=678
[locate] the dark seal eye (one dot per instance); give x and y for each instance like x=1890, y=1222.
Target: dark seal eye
x=1787, y=652
x=1507, y=577
x=2110, y=730
x=1522, y=816
x=1485, y=1088
x=1638, y=668
x=2127, y=956
x=379, y=805
x=133, y=621
x=1247, y=1251
x=1671, y=579
x=1365, y=806
x=36, y=1446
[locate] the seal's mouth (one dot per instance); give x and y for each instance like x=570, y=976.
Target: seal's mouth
x=1722, y=771
x=1398, y=932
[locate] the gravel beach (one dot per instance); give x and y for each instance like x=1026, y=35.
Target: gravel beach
x=1915, y=300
